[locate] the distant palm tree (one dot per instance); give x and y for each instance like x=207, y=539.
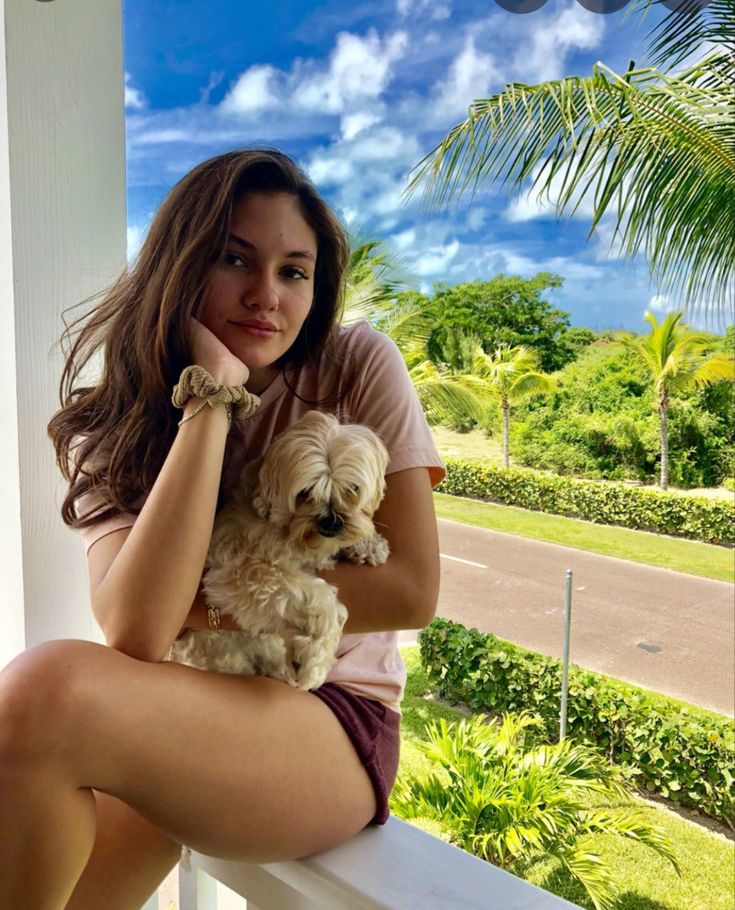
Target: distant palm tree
x=511, y=800
x=511, y=374
x=654, y=150
x=676, y=359
x=447, y=397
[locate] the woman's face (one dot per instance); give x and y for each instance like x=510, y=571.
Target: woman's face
x=260, y=292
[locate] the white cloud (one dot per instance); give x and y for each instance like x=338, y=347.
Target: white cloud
x=470, y=76
x=437, y=12
x=659, y=303
x=253, y=91
x=549, y=40
x=352, y=124
x=434, y=261
x=134, y=98
x=359, y=69
x=404, y=240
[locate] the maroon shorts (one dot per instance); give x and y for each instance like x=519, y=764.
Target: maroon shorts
x=374, y=731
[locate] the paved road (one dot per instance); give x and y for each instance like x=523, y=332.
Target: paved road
x=664, y=630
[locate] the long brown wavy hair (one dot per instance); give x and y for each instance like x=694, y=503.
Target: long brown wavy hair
x=121, y=429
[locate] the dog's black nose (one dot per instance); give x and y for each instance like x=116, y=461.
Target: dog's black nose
x=331, y=524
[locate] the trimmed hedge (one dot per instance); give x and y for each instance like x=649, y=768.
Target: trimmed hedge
x=665, y=746
x=710, y=520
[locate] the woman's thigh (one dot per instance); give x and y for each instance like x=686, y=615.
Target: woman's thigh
x=234, y=766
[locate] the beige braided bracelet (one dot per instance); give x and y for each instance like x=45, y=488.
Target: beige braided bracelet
x=196, y=382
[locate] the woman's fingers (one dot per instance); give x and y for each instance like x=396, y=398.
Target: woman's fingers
x=211, y=354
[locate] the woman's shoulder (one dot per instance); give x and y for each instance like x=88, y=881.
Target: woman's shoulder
x=363, y=340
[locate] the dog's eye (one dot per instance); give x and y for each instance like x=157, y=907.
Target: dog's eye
x=302, y=496
x=353, y=488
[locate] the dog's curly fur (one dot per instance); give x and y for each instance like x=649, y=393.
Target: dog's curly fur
x=307, y=502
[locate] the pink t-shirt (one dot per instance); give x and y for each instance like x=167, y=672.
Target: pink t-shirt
x=381, y=397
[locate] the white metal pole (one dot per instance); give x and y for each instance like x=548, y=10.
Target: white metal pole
x=565, y=657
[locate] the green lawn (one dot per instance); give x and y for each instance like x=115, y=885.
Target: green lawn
x=675, y=553
x=645, y=882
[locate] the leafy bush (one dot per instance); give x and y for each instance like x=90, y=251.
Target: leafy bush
x=710, y=520
x=684, y=753
x=601, y=423
x=512, y=799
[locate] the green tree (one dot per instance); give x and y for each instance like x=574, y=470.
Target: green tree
x=511, y=374
x=653, y=149
x=509, y=800
x=447, y=397
x=676, y=359
x=506, y=309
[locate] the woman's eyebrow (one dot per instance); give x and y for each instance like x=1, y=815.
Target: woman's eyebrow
x=294, y=254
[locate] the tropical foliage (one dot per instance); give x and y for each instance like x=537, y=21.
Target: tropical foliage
x=600, y=422
x=653, y=148
x=507, y=309
x=676, y=359
x=504, y=796
x=511, y=374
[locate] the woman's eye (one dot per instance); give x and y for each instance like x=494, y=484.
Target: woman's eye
x=291, y=272
x=235, y=259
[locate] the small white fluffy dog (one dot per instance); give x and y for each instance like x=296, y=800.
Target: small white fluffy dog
x=309, y=500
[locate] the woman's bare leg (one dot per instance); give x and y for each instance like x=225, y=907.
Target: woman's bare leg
x=130, y=859
x=237, y=767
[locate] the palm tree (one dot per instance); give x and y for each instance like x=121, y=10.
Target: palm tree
x=447, y=397
x=511, y=374
x=509, y=800
x=654, y=149
x=676, y=359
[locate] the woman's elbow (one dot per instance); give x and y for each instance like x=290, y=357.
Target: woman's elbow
x=422, y=602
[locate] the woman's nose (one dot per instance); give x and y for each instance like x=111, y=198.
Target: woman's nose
x=261, y=292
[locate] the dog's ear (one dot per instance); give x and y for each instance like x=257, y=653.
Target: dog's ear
x=249, y=486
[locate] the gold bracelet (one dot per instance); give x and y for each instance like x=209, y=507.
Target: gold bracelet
x=193, y=413
x=213, y=615
x=201, y=407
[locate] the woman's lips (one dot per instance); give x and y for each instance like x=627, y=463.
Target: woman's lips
x=256, y=331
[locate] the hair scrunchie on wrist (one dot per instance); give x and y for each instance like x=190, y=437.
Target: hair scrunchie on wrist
x=195, y=381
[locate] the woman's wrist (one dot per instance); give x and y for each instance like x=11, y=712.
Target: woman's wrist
x=197, y=407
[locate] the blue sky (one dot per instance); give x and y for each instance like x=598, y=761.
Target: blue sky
x=358, y=94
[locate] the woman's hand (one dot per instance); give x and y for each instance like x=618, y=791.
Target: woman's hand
x=208, y=352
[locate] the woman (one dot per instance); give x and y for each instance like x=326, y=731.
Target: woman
x=111, y=758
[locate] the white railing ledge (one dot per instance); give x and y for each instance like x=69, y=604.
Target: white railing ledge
x=393, y=867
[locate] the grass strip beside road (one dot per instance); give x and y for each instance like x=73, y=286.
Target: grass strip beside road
x=691, y=556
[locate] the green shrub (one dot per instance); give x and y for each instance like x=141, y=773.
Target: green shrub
x=684, y=753
x=513, y=800
x=710, y=520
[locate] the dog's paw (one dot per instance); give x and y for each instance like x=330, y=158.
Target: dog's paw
x=371, y=551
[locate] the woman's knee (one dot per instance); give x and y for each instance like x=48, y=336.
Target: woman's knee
x=40, y=690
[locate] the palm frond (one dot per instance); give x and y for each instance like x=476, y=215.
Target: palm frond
x=684, y=30
x=657, y=151
x=372, y=282
x=631, y=823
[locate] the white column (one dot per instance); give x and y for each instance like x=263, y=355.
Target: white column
x=62, y=238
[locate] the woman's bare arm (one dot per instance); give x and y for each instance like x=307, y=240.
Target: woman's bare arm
x=402, y=594
x=143, y=589
x=144, y=580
